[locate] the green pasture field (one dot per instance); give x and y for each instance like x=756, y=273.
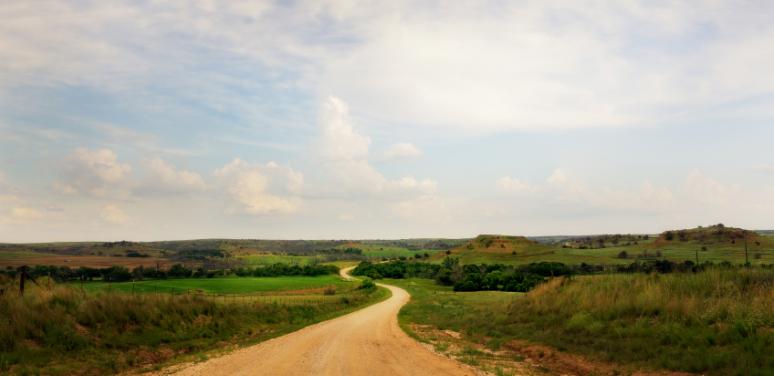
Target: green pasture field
x=382, y=251
x=262, y=259
x=223, y=285
x=22, y=254
x=674, y=251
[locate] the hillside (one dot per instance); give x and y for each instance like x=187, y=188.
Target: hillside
x=496, y=249
x=214, y=252
x=716, y=234
x=517, y=245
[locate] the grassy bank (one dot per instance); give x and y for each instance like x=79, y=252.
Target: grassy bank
x=64, y=331
x=713, y=322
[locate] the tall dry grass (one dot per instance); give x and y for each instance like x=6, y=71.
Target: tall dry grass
x=720, y=321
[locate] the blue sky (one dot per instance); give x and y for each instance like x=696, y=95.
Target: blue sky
x=337, y=119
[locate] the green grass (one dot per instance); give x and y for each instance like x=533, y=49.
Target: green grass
x=225, y=285
x=4, y=255
x=715, y=322
x=433, y=304
x=61, y=331
x=674, y=251
x=270, y=259
x=382, y=251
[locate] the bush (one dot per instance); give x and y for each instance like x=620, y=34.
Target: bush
x=367, y=284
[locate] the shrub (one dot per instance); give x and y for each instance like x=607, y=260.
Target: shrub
x=367, y=284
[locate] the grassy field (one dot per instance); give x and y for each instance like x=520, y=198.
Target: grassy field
x=487, y=249
x=262, y=259
x=377, y=251
x=225, y=285
x=14, y=259
x=715, y=322
x=60, y=330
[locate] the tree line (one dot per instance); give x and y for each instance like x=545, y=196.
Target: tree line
x=467, y=277
x=499, y=277
x=119, y=273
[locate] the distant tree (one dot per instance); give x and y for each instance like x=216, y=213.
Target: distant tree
x=180, y=271
x=623, y=255
x=669, y=235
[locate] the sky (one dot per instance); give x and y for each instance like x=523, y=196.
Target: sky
x=153, y=120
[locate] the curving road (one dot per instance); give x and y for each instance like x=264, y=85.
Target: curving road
x=365, y=342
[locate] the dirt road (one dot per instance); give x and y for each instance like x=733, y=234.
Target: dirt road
x=365, y=342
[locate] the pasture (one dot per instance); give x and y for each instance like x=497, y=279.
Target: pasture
x=758, y=254
x=378, y=251
x=262, y=259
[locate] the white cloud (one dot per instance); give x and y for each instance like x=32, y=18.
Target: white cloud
x=470, y=65
x=706, y=190
x=765, y=168
x=262, y=189
x=561, y=188
x=425, y=208
x=97, y=172
x=345, y=151
x=25, y=213
x=537, y=65
x=402, y=150
x=558, y=178
x=509, y=184
x=346, y=155
x=113, y=214
x=346, y=217
x=102, y=163
x=165, y=177
x=425, y=186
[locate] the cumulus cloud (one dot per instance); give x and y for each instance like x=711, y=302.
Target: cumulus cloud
x=94, y=171
x=345, y=150
x=114, y=215
x=402, y=150
x=262, y=188
x=165, y=177
x=509, y=184
x=346, y=155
